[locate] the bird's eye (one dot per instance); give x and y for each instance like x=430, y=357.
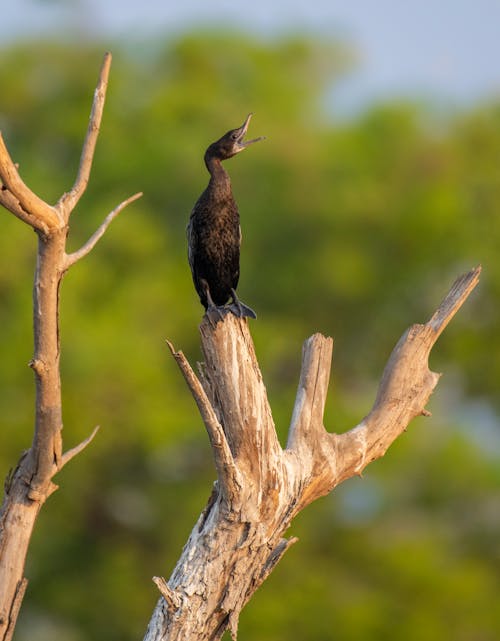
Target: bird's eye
x=234, y=136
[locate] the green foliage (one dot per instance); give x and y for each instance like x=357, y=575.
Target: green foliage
x=354, y=229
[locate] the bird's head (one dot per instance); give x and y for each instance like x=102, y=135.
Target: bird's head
x=231, y=143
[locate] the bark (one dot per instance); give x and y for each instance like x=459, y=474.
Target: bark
x=30, y=484
x=240, y=536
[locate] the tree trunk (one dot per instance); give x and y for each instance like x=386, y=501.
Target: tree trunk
x=239, y=537
x=30, y=484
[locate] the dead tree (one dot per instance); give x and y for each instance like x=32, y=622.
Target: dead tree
x=260, y=487
x=29, y=485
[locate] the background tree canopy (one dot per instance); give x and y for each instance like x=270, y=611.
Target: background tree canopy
x=355, y=229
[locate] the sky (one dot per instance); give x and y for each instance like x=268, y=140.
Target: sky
x=446, y=51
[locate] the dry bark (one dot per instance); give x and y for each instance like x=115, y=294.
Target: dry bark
x=240, y=536
x=30, y=483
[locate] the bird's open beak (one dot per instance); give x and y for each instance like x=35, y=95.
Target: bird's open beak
x=242, y=133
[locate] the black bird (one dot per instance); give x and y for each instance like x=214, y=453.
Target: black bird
x=214, y=233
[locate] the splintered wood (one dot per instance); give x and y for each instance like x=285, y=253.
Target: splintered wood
x=239, y=537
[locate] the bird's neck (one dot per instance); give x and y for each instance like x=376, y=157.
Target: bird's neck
x=219, y=178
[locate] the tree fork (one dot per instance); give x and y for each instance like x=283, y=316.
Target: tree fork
x=30, y=484
x=239, y=537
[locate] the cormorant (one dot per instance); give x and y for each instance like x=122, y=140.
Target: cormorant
x=214, y=233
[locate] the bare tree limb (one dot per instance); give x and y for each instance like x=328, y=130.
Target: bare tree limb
x=10, y=202
x=68, y=201
x=70, y=454
x=16, y=605
x=307, y=415
x=228, y=473
x=30, y=484
x=404, y=391
x=244, y=404
x=41, y=215
x=459, y=292
x=168, y=594
x=71, y=259
x=234, y=546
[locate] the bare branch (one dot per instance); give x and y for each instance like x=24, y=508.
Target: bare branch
x=404, y=390
x=243, y=402
x=227, y=471
x=30, y=208
x=16, y=605
x=11, y=203
x=172, y=599
x=67, y=456
x=235, y=545
x=68, y=201
x=312, y=390
x=71, y=259
x=458, y=293
x=30, y=484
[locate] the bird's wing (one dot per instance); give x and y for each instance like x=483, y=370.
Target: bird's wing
x=190, y=241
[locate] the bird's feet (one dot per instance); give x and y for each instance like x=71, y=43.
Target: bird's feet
x=213, y=312
x=216, y=314
x=239, y=309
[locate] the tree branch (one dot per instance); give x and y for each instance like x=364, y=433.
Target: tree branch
x=11, y=203
x=69, y=200
x=309, y=406
x=16, y=605
x=456, y=297
x=235, y=545
x=243, y=407
x=405, y=388
x=172, y=599
x=30, y=207
x=71, y=259
x=28, y=487
x=70, y=454
x=228, y=473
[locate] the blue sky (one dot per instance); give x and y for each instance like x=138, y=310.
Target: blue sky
x=447, y=51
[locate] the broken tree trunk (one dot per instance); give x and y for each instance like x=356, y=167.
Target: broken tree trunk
x=239, y=537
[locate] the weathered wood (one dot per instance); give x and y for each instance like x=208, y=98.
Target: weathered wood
x=69, y=200
x=18, y=198
x=239, y=537
x=30, y=484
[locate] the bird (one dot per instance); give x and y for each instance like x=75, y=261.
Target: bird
x=214, y=232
